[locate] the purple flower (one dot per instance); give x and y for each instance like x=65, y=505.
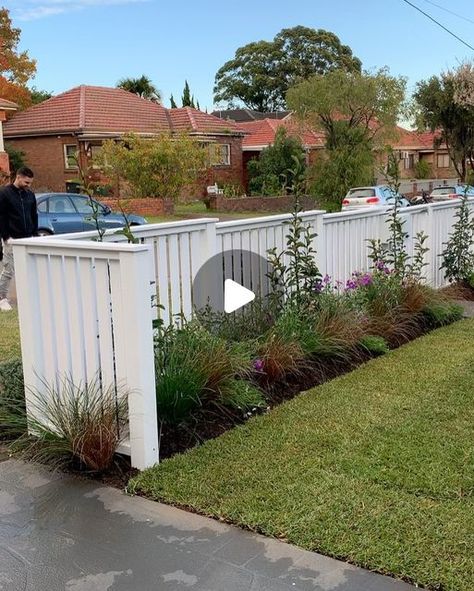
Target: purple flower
x=258, y=364
x=365, y=280
x=326, y=279
x=318, y=286
x=351, y=284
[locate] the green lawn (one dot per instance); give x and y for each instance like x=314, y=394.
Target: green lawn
x=197, y=209
x=9, y=335
x=375, y=467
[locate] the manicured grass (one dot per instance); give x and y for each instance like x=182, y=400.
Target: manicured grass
x=375, y=467
x=9, y=335
x=198, y=209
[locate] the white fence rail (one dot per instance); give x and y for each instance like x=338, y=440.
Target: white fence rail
x=85, y=306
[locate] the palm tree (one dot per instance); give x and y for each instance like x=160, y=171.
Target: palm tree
x=142, y=86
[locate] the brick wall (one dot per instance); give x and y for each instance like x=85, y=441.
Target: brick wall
x=4, y=167
x=45, y=156
x=142, y=206
x=283, y=204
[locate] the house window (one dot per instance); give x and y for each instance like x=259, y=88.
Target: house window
x=70, y=156
x=443, y=161
x=223, y=155
x=408, y=161
x=94, y=152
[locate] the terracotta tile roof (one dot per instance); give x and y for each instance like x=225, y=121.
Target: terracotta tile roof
x=89, y=109
x=192, y=120
x=260, y=134
x=7, y=105
x=415, y=140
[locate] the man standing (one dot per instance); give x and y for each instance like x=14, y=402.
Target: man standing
x=18, y=219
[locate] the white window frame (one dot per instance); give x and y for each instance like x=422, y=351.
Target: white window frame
x=444, y=156
x=225, y=155
x=67, y=166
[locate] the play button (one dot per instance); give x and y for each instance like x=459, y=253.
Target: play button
x=234, y=285
x=236, y=296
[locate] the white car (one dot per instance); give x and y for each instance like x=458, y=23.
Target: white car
x=362, y=197
x=451, y=192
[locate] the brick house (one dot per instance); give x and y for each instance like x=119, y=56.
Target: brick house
x=77, y=121
x=6, y=108
x=260, y=134
x=414, y=146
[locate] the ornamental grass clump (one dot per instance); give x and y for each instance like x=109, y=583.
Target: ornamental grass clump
x=197, y=370
x=76, y=425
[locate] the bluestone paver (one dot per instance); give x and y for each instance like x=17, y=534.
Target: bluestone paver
x=60, y=533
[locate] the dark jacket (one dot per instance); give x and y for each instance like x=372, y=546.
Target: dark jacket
x=18, y=213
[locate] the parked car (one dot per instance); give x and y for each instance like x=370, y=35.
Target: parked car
x=362, y=197
x=451, y=192
x=60, y=213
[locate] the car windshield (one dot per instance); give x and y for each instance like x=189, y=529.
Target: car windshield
x=361, y=192
x=443, y=191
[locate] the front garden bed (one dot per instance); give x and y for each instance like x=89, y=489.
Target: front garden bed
x=372, y=467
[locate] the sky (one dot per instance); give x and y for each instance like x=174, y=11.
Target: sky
x=97, y=42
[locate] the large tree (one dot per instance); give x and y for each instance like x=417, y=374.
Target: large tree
x=358, y=113
x=445, y=103
x=261, y=72
x=16, y=67
x=142, y=86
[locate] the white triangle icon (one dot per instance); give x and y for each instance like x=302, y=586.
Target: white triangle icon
x=236, y=296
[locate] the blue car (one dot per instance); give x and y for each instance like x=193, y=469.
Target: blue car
x=61, y=213
x=362, y=197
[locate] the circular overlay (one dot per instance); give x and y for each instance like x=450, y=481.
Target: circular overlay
x=234, y=285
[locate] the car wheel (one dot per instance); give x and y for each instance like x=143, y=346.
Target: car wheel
x=44, y=232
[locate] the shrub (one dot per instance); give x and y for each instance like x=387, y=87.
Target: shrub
x=195, y=368
x=375, y=344
x=279, y=357
x=439, y=312
x=73, y=424
x=422, y=169
x=274, y=172
x=458, y=255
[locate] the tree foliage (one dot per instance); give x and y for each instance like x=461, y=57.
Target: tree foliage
x=157, y=167
x=261, y=72
x=276, y=171
x=372, y=102
x=445, y=103
x=173, y=104
x=357, y=113
x=16, y=157
x=39, y=96
x=187, y=100
x=16, y=67
x=142, y=86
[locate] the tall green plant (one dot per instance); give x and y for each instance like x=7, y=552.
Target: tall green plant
x=458, y=255
x=294, y=272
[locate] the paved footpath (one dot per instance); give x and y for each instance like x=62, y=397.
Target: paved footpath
x=60, y=533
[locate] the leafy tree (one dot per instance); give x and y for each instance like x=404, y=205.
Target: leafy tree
x=173, y=104
x=350, y=163
x=186, y=99
x=444, y=103
x=261, y=72
x=142, y=86
x=16, y=68
x=38, y=96
x=357, y=113
x=275, y=171
x=158, y=167
x=16, y=157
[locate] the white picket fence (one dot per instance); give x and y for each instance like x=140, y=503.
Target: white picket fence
x=85, y=307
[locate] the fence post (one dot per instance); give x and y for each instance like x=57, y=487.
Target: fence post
x=28, y=313
x=140, y=370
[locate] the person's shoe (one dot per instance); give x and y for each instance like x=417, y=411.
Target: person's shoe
x=5, y=305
